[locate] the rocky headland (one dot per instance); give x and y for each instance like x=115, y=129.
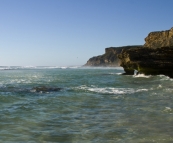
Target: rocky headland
x=159, y=39
x=155, y=57
x=110, y=58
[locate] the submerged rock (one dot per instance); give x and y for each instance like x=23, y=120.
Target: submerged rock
x=46, y=89
x=110, y=58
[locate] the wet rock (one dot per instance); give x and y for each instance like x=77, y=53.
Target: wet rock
x=154, y=58
x=148, y=61
x=128, y=72
x=46, y=89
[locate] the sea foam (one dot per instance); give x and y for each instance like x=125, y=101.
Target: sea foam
x=110, y=90
x=141, y=75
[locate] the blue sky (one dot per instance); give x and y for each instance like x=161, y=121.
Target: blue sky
x=69, y=32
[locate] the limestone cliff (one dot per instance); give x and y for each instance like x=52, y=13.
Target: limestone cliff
x=148, y=61
x=159, y=39
x=156, y=57
x=110, y=58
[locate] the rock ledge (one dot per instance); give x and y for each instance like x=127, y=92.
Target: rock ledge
x=154, y=58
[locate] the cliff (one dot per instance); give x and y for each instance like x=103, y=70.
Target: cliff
x=110, y=58
x=148, y=61
x=159, y=39
x=156, y=57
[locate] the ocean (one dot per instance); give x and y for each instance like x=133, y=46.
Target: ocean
x=84, y=105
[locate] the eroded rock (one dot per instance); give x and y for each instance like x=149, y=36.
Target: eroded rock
x=148, y=61
x=159, y=39
x=110, y=58
x=154, y=58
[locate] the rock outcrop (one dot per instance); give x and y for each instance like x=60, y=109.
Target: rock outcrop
x=159, y=39
x=156, y=57
x=110, y=58
x=46, y=89
x=148, y=61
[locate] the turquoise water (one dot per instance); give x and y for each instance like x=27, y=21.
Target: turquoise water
x=94, y=105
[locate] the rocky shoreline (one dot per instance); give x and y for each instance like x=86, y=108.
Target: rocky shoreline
x=110, y=58
x=153, y=58
x=148, y=61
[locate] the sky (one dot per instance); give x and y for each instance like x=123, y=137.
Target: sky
x=69, y=32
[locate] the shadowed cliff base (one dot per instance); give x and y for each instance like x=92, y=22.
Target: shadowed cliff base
x=148, y=61
x=156, y=57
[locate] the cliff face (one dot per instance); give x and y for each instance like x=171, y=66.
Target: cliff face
x=110, y=58
x=156, y=57
x=159, y=39
x=148, y=61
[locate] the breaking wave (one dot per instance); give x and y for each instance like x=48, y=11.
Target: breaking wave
x=142, y=75
x=110, y=90
x=37, y=67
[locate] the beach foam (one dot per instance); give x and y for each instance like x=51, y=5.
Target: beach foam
x=142, y=75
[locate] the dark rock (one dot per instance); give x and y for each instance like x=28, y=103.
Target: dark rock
x=148, y=61
x=128, y=71
x=154, y=58
x=110, y=58
x=46, y=89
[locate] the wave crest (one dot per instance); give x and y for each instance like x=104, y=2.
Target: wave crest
x=141, y=75
x=110, y=90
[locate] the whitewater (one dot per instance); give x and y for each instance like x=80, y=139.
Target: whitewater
x=92, y=105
